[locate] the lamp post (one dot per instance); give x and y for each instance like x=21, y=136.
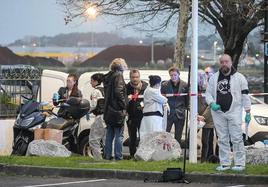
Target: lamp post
x=152, y=47
x=215, y=51
x=91, y=13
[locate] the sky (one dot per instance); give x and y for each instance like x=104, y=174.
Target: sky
x=20, y=18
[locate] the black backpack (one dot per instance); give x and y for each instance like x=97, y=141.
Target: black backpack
x=100, y=103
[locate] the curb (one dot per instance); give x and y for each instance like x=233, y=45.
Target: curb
x=128, y=175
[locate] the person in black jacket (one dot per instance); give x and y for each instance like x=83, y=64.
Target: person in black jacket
x=115, y=106
x=177, y=104
x=64, y=93
x=134, y=88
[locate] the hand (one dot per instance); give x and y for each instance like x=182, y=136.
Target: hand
x=200, y=118
x=56, y=97
x=215, y=107
x=166, y=105
x=247, y=118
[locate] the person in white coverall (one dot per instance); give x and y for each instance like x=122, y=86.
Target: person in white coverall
x=97, y=130
x=227, y=95
x=153, y=112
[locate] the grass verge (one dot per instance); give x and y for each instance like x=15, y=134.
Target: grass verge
x=85, y=162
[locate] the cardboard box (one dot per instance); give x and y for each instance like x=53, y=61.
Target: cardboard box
x=48, y=134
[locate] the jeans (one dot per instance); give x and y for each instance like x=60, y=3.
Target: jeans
x=115, y=134
x=179, y=124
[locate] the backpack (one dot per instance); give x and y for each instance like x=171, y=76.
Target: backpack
x=100, y=103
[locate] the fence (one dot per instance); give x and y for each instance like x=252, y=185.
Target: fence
x=15, y=82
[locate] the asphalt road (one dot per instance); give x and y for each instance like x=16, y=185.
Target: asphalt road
x=26, y=181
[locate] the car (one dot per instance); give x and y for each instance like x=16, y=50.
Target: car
x=258, y=126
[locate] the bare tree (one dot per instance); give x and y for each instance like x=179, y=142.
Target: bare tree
x=234, y=20
x=140, y=12
x=182, y=28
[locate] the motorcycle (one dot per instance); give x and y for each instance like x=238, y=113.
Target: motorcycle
x=32, y=116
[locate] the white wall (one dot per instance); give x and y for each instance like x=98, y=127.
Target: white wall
x=6, y=136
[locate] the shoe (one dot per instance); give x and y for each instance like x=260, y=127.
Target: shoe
x=223, y=168
x=238, y=168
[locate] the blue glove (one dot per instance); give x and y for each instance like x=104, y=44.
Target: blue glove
x=215, y=107
x=247, y=118
x=56, y=97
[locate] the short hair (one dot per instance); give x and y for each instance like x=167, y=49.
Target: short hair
x=154, y=79
x=134, y=71
x=117, y=64
x=174, y=68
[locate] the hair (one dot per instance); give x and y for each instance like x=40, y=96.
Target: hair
x=117, y=64
x=174, y=68
x=74, y=92
x=134, y=71
x=154, y=79
x=98, y=77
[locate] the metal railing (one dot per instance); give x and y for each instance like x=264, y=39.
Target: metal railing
x=16, y=81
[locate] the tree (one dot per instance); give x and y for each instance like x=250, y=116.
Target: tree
x=234, y=20
x=139, y=12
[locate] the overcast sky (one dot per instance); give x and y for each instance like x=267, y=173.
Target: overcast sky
x=20, y=18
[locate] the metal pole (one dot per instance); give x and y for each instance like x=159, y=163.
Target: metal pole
x=152, y=50
x=193, y=100
x=266, y=51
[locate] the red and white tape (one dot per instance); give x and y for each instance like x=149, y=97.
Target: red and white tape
x=134, y=97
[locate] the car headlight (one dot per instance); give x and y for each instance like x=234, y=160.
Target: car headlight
x=261, y=120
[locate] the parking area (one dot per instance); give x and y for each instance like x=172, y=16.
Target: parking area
x=27, y=181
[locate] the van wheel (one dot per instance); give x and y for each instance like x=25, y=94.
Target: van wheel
x=84, y=148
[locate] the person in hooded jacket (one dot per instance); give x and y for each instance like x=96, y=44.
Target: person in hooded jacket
x=227, y=95
x=115, y=107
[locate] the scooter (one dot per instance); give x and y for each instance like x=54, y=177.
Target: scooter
x=31, y=116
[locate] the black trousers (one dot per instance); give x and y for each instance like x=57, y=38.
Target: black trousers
x=179, y=124
x=133, y=125
x=207, y=144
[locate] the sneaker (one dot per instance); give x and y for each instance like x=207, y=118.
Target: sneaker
x=238, y=168
x=222, y=168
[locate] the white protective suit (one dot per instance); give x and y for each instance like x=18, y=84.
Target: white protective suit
x=97, y=130
x=228, y=124
x=153, y=102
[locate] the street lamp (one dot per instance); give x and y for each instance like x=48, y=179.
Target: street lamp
x=152, y=47
x=91, y=13
x=215, y=51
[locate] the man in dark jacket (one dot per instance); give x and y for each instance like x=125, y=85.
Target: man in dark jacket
x=177, y=104
x=115, y=108
x=134, y=88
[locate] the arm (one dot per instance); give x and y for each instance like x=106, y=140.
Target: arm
x=246, y=102
x=156, y=96
x=120, y=91
x=209, y=91
x=94, y=98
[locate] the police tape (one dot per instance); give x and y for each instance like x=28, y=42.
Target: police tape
x=136, y=96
